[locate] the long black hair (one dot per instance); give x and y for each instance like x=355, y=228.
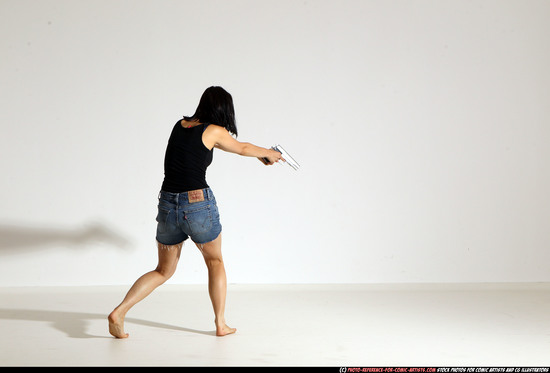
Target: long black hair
x=216, y=107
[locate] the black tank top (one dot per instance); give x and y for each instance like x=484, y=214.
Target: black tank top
x=186, y=159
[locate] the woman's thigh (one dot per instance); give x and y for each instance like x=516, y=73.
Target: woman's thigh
x=211, y=250
x=168, y=257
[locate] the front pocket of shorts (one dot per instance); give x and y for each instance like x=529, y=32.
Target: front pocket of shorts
x=199, y=221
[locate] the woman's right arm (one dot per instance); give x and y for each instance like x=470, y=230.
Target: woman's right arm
x=219, y=137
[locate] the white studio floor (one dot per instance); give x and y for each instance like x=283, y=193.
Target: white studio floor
x=282, y=325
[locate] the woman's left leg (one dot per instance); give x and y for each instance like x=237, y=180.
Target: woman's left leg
x=217, y=282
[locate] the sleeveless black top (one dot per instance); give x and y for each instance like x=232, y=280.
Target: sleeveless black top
x=186, y=159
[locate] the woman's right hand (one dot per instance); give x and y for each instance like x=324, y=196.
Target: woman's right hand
x=272, y=157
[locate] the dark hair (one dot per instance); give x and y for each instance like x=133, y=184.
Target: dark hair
x=216, y=107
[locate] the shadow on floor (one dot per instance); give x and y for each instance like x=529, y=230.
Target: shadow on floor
x=75, y=324
x=17, y=239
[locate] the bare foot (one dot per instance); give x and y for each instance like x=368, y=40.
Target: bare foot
x=223, y=329
x=116, y=325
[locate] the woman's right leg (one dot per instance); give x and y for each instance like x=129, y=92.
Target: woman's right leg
x=168, y=260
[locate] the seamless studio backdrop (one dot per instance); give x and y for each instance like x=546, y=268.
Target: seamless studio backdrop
x=422, y=129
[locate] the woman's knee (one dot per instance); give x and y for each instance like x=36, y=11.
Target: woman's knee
x=166, y=271
x=213, y=262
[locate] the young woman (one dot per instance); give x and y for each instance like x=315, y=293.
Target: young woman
x=187, y=207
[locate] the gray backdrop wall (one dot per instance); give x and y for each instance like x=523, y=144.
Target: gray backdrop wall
x=422, y=128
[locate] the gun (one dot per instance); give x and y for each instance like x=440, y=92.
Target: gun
x=288, y=159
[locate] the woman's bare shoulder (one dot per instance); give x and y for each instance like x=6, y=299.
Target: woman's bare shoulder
x=215, y=130
x=213, y=134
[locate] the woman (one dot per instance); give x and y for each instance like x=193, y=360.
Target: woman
x=187, y=207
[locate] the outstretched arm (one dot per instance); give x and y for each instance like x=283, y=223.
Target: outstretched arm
x=219, y=137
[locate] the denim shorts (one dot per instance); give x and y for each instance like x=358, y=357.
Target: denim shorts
x=188, y=214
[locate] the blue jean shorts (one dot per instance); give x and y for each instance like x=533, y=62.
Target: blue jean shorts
x=189, y=214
